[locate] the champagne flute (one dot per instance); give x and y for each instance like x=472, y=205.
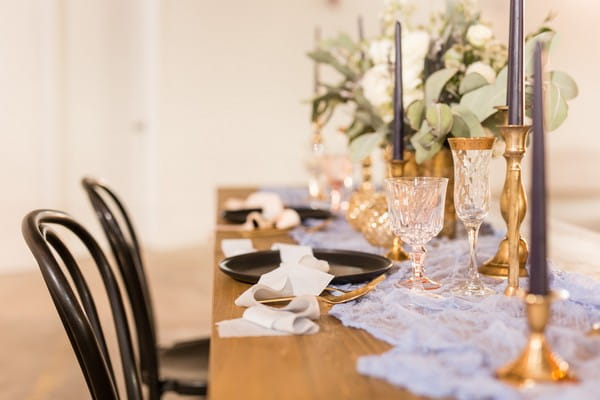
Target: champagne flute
x=472, y=158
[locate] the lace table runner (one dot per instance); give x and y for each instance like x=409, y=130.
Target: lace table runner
x=450, y=347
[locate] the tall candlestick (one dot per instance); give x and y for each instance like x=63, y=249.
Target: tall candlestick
x=515, y=64
x=398, y=134
x=361, y=32
x=538, y=281
x=316, y=74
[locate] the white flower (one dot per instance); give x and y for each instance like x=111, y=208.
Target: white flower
x=381, y=51
x=453, y=58
x=478, y=35
x=415, y=46
x=377, y=85
x=482, y=69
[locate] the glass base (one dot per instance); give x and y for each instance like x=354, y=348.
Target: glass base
x=472, y=290
x=422, y=283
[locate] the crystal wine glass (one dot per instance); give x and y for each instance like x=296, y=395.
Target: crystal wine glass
x=338, y=170
x=416, y=207
x=471, y=199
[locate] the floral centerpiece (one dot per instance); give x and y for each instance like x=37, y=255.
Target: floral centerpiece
x=454, y=76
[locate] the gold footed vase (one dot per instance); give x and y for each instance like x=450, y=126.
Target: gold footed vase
x=513, y=206
x=536, y=363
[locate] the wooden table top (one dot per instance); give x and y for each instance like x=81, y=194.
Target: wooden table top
x=320, y=366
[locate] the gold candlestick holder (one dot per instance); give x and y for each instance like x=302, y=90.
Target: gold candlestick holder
x=513, y=205
x=537, y=363
x=316, y=182
x=362, y=198
x=397, y=253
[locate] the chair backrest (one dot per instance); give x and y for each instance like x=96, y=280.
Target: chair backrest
x=127, y=253
x=77, y=309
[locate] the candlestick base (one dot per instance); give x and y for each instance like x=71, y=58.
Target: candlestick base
x=397, y=253
x=498, y=265
x=537, y=363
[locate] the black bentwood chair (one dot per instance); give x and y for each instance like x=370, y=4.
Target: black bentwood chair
x=127, y=253
x=77, y=309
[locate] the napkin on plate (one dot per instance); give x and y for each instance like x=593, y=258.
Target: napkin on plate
x=273, y=213
x=301, y=275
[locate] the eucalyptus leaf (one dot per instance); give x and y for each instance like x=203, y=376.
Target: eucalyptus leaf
x=426, y=145
x=482, y=101
x=364, y=145
x=436, y=82
x=439, y=117
x=326, y=57
x=566, y=84
x=466, y=123
x=471, y=82
x=415, y=113
x=556, y=107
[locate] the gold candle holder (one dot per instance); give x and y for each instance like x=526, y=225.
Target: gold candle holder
x=513, y=205
x=316, y=189
x=397, y=253
x=537, y=363
x=362, y=198
x=595, y=331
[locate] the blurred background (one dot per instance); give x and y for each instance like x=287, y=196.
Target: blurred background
x=168, y=99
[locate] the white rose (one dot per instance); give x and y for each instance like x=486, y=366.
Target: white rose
x=478, y=35
x=377, y=85
x=381, y=51
x=415, y=45
x=482, y=69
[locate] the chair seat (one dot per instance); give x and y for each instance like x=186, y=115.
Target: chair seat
x=186, y=361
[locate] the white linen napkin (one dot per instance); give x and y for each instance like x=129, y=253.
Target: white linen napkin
x=296, y=318
x=301, y=275
x=234, y=247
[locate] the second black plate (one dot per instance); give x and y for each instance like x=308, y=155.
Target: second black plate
x=239, y=216
x=347, y=266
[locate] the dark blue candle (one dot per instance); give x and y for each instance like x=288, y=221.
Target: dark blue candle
x=398, y=128
x=538, y=276
x=515, y=94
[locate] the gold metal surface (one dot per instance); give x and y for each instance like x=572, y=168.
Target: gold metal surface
x=537, y=363
x=362, y=198
x=513, y=205
x=476, y=143
x=595, y=331
x=331, y=299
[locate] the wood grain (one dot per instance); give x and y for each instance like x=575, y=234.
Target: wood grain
x=320, y=366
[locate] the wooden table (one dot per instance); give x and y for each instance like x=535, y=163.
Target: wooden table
x=320, y=366
x=323, y=366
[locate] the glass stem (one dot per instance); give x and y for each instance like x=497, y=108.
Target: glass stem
x=417, y=256
x=473, y=232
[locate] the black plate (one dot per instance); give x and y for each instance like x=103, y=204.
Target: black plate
x=239, y=216
x=347, y=266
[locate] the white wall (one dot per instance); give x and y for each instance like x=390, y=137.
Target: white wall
x=168, y=99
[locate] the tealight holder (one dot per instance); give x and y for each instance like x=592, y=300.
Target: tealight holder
x=537, y=363
x=513, y=205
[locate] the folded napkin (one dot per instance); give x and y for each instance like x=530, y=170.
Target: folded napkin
x=296, y=318
x=234, y=247
x=300, y=275
x=273, y=213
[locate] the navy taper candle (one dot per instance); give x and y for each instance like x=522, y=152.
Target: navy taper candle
x=398, y=126
x=515, y=93
x=538, y=275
